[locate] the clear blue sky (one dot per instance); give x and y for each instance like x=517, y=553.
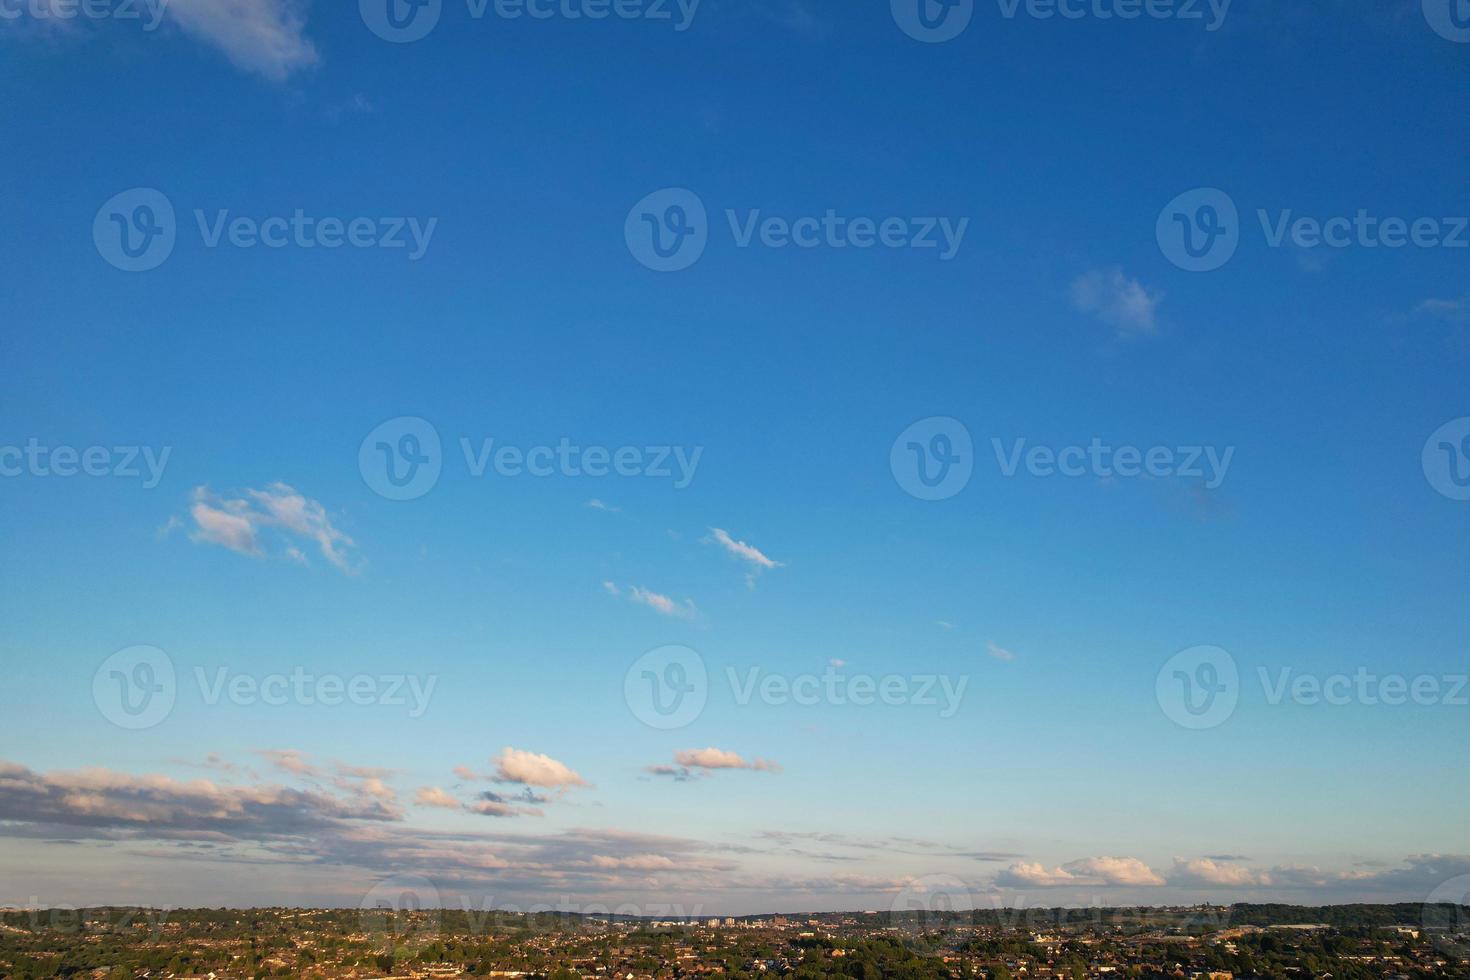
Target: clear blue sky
x=1060, y=778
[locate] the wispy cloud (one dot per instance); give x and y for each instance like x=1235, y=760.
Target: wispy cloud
x=265, y=37
x=998, y=652
x=1118, y=301
x=596, y=504
x=657, y=601
x=241, y=524
x=748, y=553
x=689, y=763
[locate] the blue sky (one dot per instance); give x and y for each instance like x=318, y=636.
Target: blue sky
x=1327, y=545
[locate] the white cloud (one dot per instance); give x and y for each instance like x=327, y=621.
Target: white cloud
x=596, y=504
x=1205, y=871
x=1117, y=300
x=289, y=760
x=660, y=603
x=534, y=769
x=1087, y=871
x=998, y=652
x=434, y=796
x=266, y=37
x=237, y=523
x=1448, y=309
x=706, y=760
x=944, y=623
x=741, y=550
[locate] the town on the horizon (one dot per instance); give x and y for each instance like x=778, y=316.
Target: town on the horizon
x=1203, y=942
